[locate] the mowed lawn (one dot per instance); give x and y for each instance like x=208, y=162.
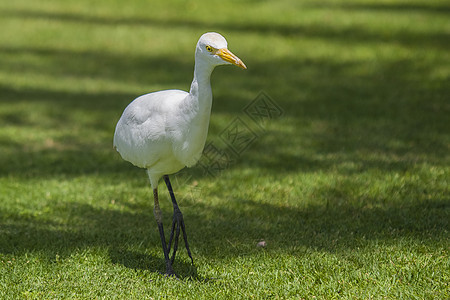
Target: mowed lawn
x=341, y=192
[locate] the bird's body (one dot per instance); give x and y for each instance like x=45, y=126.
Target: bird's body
x=162, y=132
x=165, y=131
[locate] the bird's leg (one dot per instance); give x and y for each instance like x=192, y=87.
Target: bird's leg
x=158, y=216
x=177, y=222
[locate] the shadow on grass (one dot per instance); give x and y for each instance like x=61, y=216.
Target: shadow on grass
x=139, y=261
x=431, y=8
x=374, y=118
x=353, y=34
x=223, y=232
x=126, y=236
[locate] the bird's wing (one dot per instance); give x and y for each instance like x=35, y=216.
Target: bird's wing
x=140, y=135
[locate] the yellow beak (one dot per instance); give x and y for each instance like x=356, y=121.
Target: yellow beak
x=227, y=56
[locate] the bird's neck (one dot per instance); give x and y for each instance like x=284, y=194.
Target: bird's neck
x=201, y=85
x=196, y=110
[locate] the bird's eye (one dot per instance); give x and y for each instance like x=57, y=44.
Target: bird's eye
x=209, y=48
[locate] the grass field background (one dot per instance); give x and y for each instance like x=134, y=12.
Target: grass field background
x=349, y=188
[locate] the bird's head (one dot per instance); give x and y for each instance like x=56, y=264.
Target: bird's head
x=212, y=47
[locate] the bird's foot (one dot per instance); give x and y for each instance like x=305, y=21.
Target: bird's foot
x=171, y=273
x=178, y=223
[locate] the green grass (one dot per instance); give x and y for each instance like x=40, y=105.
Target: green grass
x=349, y=188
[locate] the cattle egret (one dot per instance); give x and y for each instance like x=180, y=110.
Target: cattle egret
x=165, y=131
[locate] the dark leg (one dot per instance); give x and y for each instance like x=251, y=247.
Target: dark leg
x=158, y=216
x=176, y=224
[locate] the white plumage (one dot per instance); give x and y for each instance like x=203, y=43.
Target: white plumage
x=153, y=134
x=165, y=131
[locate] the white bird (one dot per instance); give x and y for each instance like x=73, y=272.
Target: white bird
x=165, y=131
